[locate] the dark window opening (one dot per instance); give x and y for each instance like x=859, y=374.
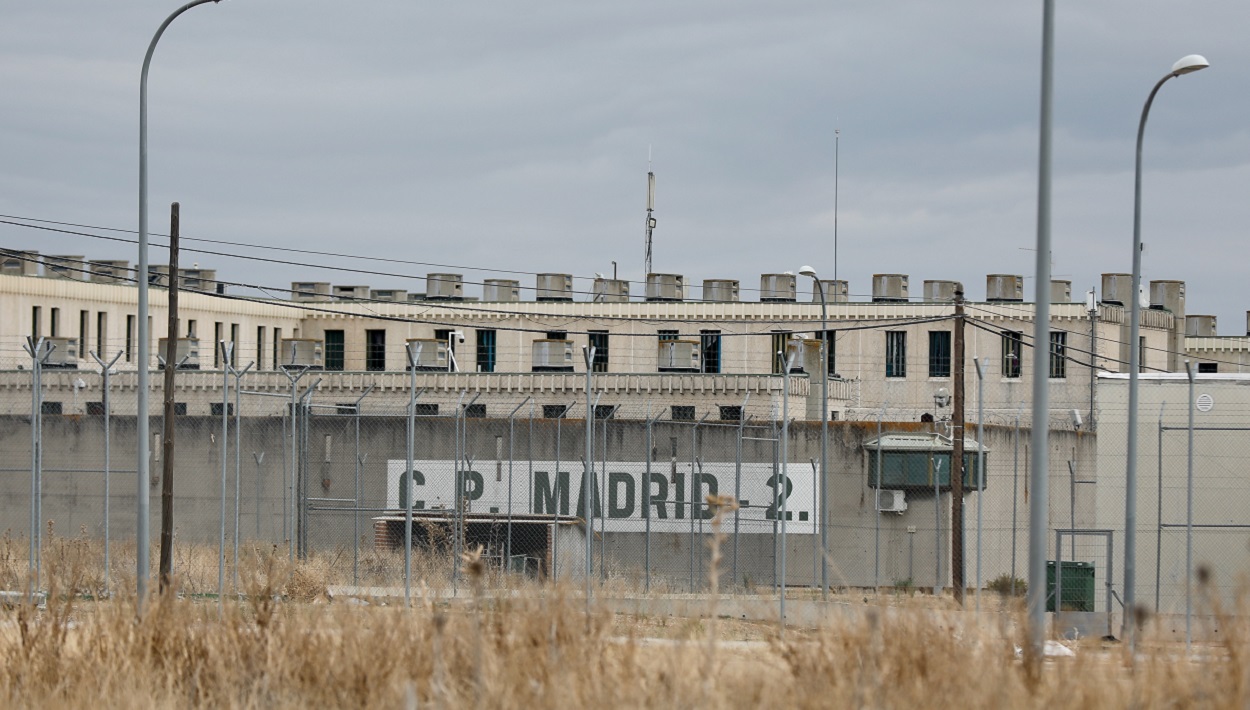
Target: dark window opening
x=605, y=411
x=780, y=341
x=375, y=350
x=557, y=335
x=425, y=409
x=214, y=408
x=709, y=351
x=1208, y=368
x=939, y=353
x=334, y=350
x=731, y=412
x=475, y=411
x=95, y=409
x=555, y=411
x=1058, y=354
x=599, y=341
x=683, y=413
x=896, y=353
x=485, y=351
x=50, y=408
x=1013, y=347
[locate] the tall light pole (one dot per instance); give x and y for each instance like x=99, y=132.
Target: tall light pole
x=142, y=424
x=824, y=430
x=1040, y=435
x=1184, y=65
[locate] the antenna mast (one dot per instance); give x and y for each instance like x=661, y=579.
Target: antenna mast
x=650, y=210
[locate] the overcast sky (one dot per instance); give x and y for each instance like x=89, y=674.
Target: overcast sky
x=514, y=136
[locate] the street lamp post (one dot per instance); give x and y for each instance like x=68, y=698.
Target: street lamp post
x=1184, y=65
x=142, y=424
x=824, y=431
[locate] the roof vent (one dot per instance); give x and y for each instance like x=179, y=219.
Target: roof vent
x=611, y=291
x=666, y=287
x=778, y=288
x=835, y=291
x=1200, y=326
x=444, y=287
x=1168, y=296
x=554, y=287
x=889, y=288
x=501, y=290
x=351, y=293
x=1004, y=288
x=1060, y=291
x=14, y=262
x=941, y=291
x=310, y=291
x=720, y=290
x=1117, y=289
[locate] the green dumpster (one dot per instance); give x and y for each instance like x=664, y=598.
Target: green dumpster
x=1078, y=586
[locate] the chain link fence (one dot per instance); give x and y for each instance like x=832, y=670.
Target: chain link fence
x=314, y=463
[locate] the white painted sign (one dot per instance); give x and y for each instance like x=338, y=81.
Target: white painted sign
x=618, y=496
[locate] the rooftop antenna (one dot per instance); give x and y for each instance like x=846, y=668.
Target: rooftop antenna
x=837, y=136
x=650, y=209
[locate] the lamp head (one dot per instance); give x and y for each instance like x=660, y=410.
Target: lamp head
x=1189, y=64
x=807, y=271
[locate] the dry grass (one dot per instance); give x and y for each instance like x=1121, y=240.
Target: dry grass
x=284, y=645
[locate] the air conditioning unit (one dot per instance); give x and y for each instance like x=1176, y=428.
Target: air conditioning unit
x=444, y=287
x=186, y=352
x=678, y=356
x=666, y=287
x=64, y=353
x=720, y=290
x=310, y=290
x=891, y=501
x=428, y=354
x=501, y=290
x=554, y=287
x=611, y=291
x=776, y=288
x=302, y=352
x=889, y=288
x=553, y=356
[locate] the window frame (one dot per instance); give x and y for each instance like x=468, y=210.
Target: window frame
x=896, y=354
x=1012, y=354
x=939, y=361
x=1058, y=354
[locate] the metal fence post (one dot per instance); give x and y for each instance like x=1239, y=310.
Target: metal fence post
x=646, y=506
x=511, y=451
x=288, y=497
x=980, y=364
x=35, y=348
x=783, y=485
x=305, y=403
x=227, y=349
x=876, y=509
x=359, y=463
x=937, y=525
x=1159, y=510
x=106, y=371
x=742, y=420
x=1015, y=482
x=1189, y=512
x=238, y=461
x=588, y=353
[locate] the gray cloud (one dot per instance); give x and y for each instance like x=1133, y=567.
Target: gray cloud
x=516, y=137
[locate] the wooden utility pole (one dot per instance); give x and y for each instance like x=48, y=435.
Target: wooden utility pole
x=167, y=436
x=957, y=451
